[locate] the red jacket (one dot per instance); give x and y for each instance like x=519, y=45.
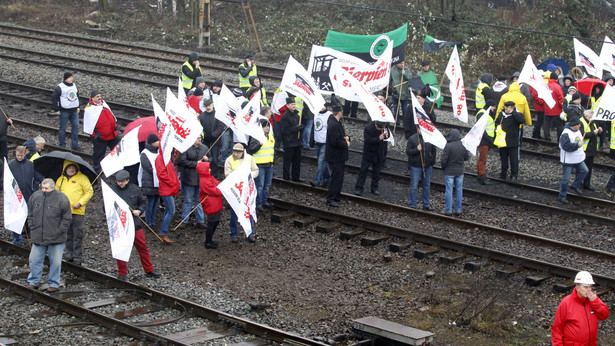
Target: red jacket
x=558, y=96
x=106, y=126
x=168, y=184
x=195, y=103
x=539, y=104
x=209, y=188
x=576, y=321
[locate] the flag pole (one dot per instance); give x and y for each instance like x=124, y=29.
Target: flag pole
x=93, y=181
x=7, y=117
x=216, y=141
x=146, y=225
x=401, y=82
x=438, y=94
x=418, y=137
x=191, y=211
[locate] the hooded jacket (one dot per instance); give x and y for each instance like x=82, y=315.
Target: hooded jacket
x=168, y=184
x=558, y=96
x=514, y=94
x=576, y=320
x=454, y=154
x=27, y=178
x=49, y=216
x=195, y=72
x=209, y=188
x=264, y=102
x=135, y=200
x=77, y=188
x=30, y=144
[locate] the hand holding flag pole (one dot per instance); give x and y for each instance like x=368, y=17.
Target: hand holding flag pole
x=191, y=211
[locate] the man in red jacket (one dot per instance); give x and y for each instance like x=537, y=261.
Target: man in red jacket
x=577, y=316
x=552, y=114
x=105, y=132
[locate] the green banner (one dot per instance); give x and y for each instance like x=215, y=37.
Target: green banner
x=369, y=47
x=431, y=79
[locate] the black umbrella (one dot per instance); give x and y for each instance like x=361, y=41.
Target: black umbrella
x=50, y=165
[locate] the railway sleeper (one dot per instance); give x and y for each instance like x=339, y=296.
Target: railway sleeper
x=452, y=258
x=304, y=221
x=425, y=252
x=327, y=228
x=505, y=273
x=372, y=240
x=349, y=234
x=536, y=280
x=278, y=216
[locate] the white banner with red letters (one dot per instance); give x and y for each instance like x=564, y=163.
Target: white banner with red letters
x=165, y=132
x=239, y=189
x=15, y=207
x=119, y=223
x=530, y=76
x=125, y=153
x=377, y=110
x=248, y=119
x=429, y=132
x=182, y=98
x=299, y=82
x=375, y=76
x=586, y=57
x=458, y=92
x=186, y=127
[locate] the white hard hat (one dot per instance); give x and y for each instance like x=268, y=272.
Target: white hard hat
x=585, y=278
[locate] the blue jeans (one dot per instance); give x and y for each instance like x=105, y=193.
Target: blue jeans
x=191, y=198
x=37, y=258
x=307, y=133
x=151, y=208
x=169, y=211
x=263, y=183
x=416, y=173
x=234, y=222
x=566, y=172
x=65, y=116
x=323, y=176
x=225, y=148
x=457, y=182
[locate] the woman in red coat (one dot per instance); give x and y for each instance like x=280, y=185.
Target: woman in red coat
x=168, y=187
x=211, y=200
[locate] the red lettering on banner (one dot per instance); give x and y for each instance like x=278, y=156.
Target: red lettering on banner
x=114, y=151
x=462, y=97
x=426, y=124
x=239, y=186
x=302, y=87
x=178, y=124
x=123, y=218
x=19, y=194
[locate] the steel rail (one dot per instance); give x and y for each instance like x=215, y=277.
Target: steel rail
x=379, y=227
x=153, y=295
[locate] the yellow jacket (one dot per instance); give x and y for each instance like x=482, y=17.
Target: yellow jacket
x=514, y=94
x=77, y=188
x=231, y=164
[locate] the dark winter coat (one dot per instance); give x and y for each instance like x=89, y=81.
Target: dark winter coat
x=3, y=130
x=49, y=216
x=290, y=128
x=27, y=178
x=592, y=137
x=147, y=176
x=209, y=188
x=373, y=146
x=133, y=197
x=188, y=160
x=454, y=154
x=510, y=125
x=574, y=111
x=409, y=126
x=428, y=151
x=336, y=148
x=212, y=127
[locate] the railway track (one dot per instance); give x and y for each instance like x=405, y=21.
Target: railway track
x=410, y=225
x=132, y=309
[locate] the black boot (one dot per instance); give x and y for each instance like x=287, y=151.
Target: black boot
x=209, y=234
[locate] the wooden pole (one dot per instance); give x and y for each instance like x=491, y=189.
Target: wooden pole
x=438, y=94
x=7, y=117
x=191, y=211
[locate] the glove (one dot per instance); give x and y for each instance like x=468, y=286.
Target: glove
x=562, y=116
x=300, y=127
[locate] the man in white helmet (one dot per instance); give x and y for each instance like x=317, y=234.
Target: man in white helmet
x=577, y=316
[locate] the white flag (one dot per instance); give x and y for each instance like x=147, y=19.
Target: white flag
x=429, y=132
x=120, y=224
x=165, y=132
x=585, y=56
x=186, y=127
x=377, y=110
x=375, y=76
x=224, y=104
x=391, y=137
x=91, y=114
x=458, y=92
x=299, y=82
x=606, y=108
x=321, y=63
x=239, y=189
x=15, y=207
x=530, y=76
x=125, y=153
x=607, y=55
x=248, y=119
x=278, y=101
x=472, y=138
x=182, y=98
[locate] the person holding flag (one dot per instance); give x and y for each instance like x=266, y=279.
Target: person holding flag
x=399, y=86
x=231, y=164
x=105, y=129
x=421, y=158
x=486, y=141
x=148, y=178
x=453, y=160
x=336, y=153
x=290, y=127
x=48, y=233
x=374, y=143
x=77, y=187
x=131, y=194
x=211, y=201
x=188, y=160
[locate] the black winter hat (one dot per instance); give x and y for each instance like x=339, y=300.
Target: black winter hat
x=192, y=57
x=217, y=83
x=509, y=103
x=576, y=96
x=554, y=76
x=502, y=78
x=152, y=138
x=66, y=75
x=290, y=100
x=249, y=56
x=489, y=103
x=574, y=121
x=425, y=63
x=94, y=93
x=198, y=92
